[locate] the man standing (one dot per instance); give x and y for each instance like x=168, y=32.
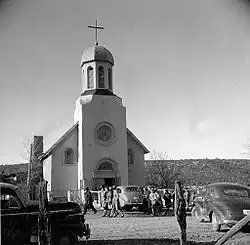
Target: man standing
x=88, y=201
x=102, y=193
x=153, y=197
x=146, y=202
x=108, y=197
x=167, y=200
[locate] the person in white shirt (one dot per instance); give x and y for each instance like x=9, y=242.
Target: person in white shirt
x=154, y=197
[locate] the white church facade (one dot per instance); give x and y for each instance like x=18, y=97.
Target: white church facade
x=98, y=149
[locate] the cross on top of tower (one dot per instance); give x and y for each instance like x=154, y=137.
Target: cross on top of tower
x=96, y=27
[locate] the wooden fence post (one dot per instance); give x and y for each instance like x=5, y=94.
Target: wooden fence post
x=180, y=212
x=43, y=218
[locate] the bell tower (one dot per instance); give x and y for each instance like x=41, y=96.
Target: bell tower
x=96, y=66
x=101, y=118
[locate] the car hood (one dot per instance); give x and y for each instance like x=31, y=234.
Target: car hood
x=71, y=207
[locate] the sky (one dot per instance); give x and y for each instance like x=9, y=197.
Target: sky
x=181, y=68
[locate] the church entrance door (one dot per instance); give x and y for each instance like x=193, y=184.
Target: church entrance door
x=109, y=181
x=106, y=174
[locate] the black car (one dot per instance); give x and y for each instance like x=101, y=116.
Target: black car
x=221, y=204
x=19, y=219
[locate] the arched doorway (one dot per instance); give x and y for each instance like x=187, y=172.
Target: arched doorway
x=106, y=173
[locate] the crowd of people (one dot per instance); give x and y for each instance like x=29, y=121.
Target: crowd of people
x=110, y=201
x=153, y=200
x=154, y=203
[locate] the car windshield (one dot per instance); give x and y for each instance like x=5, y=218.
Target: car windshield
x=132, y=189
x=236, y=192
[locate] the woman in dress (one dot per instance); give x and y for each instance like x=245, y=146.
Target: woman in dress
x=116, y=203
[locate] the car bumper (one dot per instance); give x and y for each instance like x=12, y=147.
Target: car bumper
x=229, y=222
x=136, y=204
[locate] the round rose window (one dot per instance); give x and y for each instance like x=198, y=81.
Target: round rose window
x=105, y=133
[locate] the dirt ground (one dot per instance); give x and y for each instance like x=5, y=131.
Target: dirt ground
x=137, y=229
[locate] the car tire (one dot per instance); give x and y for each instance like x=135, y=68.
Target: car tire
x=141, y=209
x=215, y=223
x=65, y=237
x=196, y=214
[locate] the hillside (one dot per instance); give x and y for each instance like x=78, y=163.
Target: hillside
x=198, y=171
x=13, y=168
x=165, y=172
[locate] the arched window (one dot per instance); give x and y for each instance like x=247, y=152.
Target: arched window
x=131, y=159
x=105, y=166
x=90, y=77
x=83, y=79
x=110, y=78
x=101, y=77
x=69, y=156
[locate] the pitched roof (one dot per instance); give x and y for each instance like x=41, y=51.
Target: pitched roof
x=67, y=133
x=138, y=141
x=64, y=136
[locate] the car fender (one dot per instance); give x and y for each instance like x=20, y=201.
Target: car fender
x=198, y=207
x=197, y=210
x=123, y=200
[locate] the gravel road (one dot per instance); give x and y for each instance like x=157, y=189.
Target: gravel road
x=137, y=228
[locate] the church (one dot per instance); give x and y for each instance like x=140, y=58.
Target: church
x=98, y=149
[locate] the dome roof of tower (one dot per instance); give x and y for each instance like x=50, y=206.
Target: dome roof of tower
x=97, y=53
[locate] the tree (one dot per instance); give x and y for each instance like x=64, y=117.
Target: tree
x=162, y=172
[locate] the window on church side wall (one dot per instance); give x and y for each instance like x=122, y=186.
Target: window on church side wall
x=69, y=156
x=101, y=77
x=90, y=77
x=110, y=78
x=131, y=159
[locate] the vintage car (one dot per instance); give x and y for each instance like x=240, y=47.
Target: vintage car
x=19, y=219
x=130, y=197
x=221, y=204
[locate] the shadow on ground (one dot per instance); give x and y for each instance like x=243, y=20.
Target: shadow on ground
x=141, y=242
x=169, y=213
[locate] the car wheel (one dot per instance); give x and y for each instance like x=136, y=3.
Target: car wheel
x=65, y=237
x=196, y=214
x=215, y=223
x=141, y=209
